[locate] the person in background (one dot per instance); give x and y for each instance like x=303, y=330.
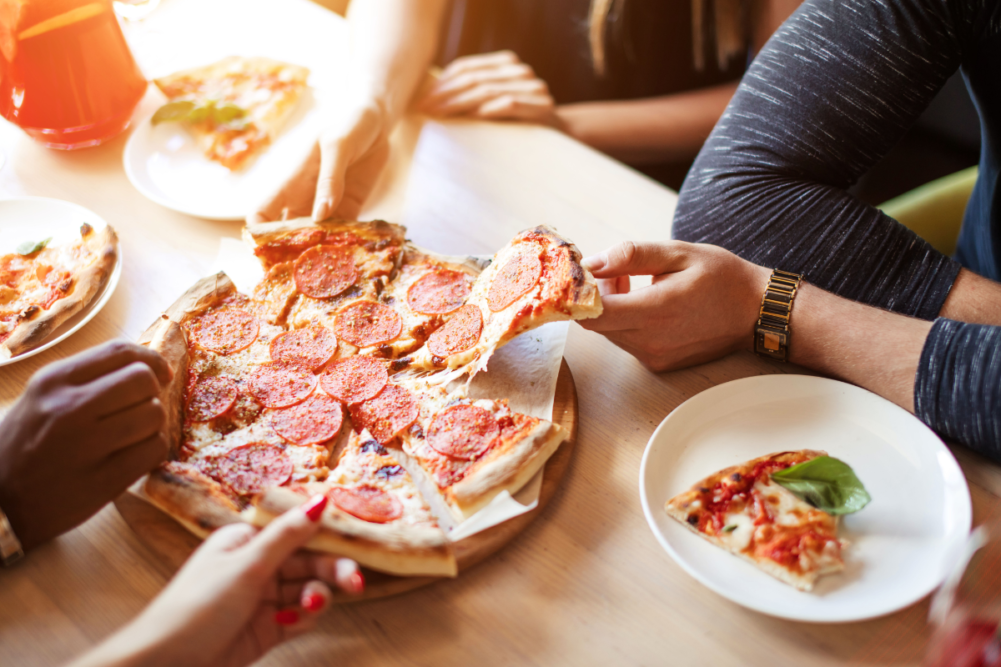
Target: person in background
x=641, y=80
x=86, y=428
x=832, y=92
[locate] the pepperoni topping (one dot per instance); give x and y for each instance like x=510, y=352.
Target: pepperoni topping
x=368, y=503
x=310, y=348
x=519, y=275
x=462, y=432
x=459, y=334
x=324, y=271
x=252, y=468
x=438, y=292
x=393, y=410
x=211, y=397
x=355, y=379
x=366, y=323
x=225, y=331
x=315, y=420
x=280, y=385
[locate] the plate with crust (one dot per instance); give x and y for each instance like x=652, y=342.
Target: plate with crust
x=902, y=543
x=37, y=218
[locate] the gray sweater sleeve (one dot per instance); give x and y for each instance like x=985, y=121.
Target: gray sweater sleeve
x=829, y=95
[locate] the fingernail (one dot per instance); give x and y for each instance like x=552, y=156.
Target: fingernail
x=287, y=617
x=314, y=508
x=357, y=583
x=594, y=262
x=322, y=210
x=313, y=602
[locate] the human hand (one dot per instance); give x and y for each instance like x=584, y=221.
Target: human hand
x=86, y=427
x=496, y=86
x=240, y=594
x=340, y=171
x=702, y=303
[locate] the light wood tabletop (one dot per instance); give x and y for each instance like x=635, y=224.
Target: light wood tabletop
x=586, y=583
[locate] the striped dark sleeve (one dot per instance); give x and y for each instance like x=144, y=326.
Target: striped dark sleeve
x=957, y=390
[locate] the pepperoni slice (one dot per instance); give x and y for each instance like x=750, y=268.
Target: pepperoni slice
x=280, y=385
x=225, y=331
x=324, y=271
x=310, y=348
x=368, y=503
x=315, y=420
x=252, y=468
x=366, y=323
x=438, y=292
x=211, y=397
x=355, y=379
x=393, y=410
x=459, y=334
x=462, y=432
x=519, y=275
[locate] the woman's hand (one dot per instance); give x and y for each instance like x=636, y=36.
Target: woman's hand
x=496, y=86
x=86, y=427
x=339, y=173
x=240, y=594
x=702, y=304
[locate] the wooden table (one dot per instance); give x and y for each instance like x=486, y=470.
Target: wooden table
x=587, y=583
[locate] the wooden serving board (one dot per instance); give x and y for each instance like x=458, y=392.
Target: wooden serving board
x=172, y=543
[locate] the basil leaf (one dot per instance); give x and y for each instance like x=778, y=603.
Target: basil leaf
x=226, y=113
x=31, y=247
x=729, y=529
x=173, y=111
x=826, y=483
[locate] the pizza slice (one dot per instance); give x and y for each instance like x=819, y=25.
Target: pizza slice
x=234, y=108
x=742, y=510
x=43, y=285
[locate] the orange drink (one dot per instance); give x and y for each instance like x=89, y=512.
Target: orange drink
x=67, y=77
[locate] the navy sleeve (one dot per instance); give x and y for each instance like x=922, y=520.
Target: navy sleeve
x=831, y=93
x=957, y=390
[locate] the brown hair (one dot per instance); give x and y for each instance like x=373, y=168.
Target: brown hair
x=729, y=28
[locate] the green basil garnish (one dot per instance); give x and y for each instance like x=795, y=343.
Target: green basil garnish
x=826, y=483
x=31, y=247
x=729, y=529
x=187, y=110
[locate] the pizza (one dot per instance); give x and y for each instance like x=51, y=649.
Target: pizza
x=234, y=108
x=44, y=284
x=741, y=509
x=318, y=381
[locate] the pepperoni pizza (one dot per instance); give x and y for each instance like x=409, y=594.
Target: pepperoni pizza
x=337, y=374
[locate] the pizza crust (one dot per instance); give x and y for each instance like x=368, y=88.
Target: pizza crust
x=86, y=285
x=262, y=233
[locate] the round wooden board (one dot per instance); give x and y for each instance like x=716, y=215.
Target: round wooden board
x=172, y=543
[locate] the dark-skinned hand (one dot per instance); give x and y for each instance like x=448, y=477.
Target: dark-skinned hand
x=85, y=428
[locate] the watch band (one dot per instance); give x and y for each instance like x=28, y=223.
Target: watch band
x=10, y=546
x=772, y=333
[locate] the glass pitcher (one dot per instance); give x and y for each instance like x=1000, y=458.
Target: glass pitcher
x=67, y=77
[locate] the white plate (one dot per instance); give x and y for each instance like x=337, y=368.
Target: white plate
x=902, y=543
x=165, y=165
x=36, y=218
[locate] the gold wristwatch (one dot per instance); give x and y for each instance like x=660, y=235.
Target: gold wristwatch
x=10, y=546
x=772, y=333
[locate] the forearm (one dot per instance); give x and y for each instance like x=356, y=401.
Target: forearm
x=658, y=129
x=392, y=45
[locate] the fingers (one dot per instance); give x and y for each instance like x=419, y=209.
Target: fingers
x=230, y=537
x=472, y=99
x=127, y=465
x=280, y=539
x=450, y=85
x=330, y=181
x=517, y=107
x=638, y=259
x=478, y=62
x=132, y=425
x=616, y=285
x=103, y=359
x=342, y=572
x=120, y=389
x=295, y=197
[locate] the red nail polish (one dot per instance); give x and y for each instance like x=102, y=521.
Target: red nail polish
x=314, y=508
x=287, y=617
x=313, y=602
x=357, y=582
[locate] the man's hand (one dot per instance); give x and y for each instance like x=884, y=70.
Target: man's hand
x=85, y=428
x=339, y=173
x=494, y=86
x=702, y=304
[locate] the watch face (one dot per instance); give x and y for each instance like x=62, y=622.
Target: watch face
x=772, y=343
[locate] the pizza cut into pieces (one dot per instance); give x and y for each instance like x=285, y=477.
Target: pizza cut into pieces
x=742, y=510
x=44, y=287
x=234, y=108
x=536, y=279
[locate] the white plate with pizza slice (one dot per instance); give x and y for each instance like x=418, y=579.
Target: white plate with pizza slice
x=901, y=544
x=30, y=220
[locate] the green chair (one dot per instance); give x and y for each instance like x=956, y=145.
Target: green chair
x=935, y=210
